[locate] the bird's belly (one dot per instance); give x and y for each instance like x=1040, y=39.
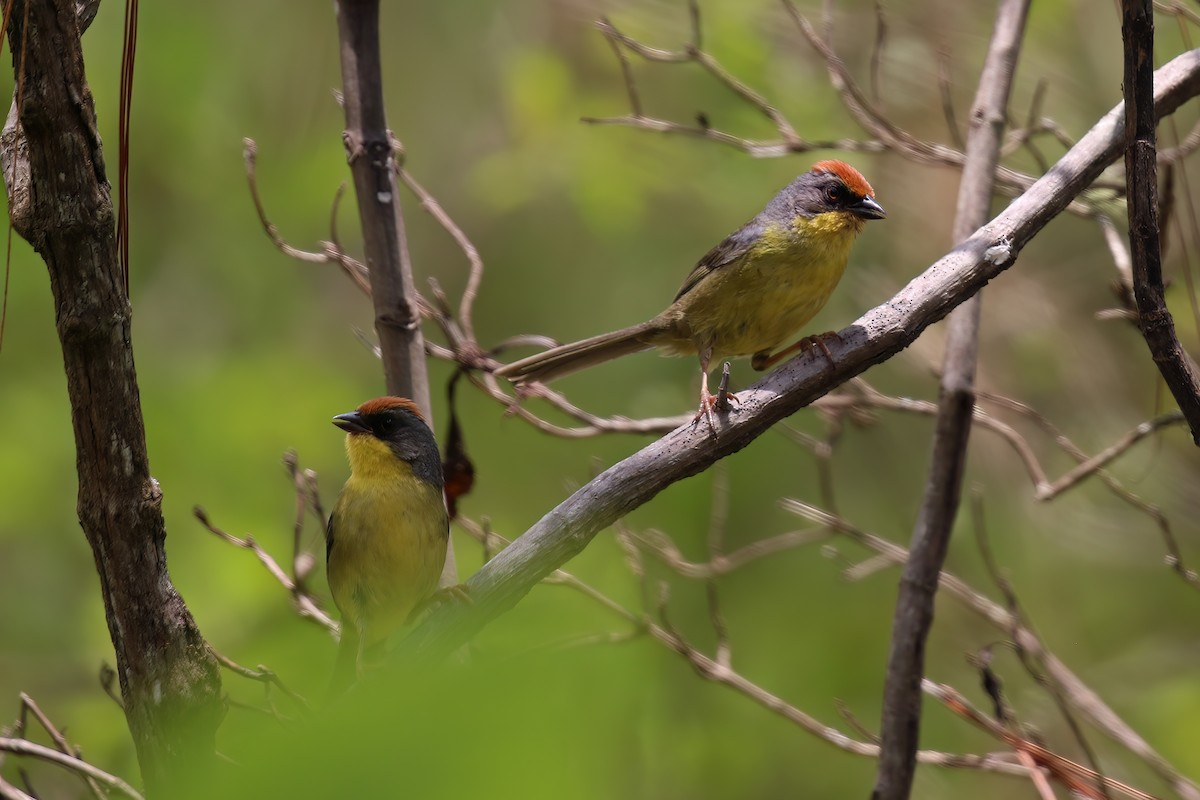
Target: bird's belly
x=761, y=306
x=386, y=557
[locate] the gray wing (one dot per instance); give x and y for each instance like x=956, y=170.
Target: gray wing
x=329, y=538
x=730, y=249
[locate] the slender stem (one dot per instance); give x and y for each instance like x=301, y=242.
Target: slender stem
x=372, y=163
x=1141, y=175
x=900, y=728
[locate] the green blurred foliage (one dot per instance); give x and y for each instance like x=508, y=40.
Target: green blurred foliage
x=243, y=354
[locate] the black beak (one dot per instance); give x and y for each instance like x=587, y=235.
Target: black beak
x=351, y=423
x=867, y=208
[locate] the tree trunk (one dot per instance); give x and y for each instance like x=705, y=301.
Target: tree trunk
x=59, y=201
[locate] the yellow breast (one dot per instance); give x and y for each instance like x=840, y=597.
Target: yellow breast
x=761, y=300
x=389, y=540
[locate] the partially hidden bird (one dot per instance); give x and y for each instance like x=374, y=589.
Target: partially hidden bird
x=385, y=544
x=750, y=293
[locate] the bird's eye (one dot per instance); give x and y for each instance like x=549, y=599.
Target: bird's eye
x=832, y=194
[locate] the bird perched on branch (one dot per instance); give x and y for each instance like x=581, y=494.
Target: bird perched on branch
x=750, y=293
x=385, y=545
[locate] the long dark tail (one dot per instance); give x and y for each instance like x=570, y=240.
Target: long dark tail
x=568, y=358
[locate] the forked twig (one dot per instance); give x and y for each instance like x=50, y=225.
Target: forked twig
x=23, y=747
x=305, y=603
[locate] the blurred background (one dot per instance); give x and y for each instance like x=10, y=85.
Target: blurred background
x=243, y=354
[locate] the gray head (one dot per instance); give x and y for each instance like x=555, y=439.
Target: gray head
x=830, y=186
x=397, y=422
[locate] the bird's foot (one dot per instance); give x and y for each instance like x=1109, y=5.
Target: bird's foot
x=719, y=402
x=764, y=360
x=705, y=412
x=459, y=592
x=820, y=340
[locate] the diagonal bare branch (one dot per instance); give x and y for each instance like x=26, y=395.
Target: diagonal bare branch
x=876, y=336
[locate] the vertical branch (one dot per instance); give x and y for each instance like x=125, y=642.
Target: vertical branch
x=369, y=149
x=900, y=727
x=385, y=246
x=60, y=202
x=1141, y=176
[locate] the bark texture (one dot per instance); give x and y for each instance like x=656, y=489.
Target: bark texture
x=60, y=202
x=1141, y=177
x=385, y=247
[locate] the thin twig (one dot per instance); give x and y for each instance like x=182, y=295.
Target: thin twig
x=946, y=89
x=614, y=42
x=718, y=520
x=1044, y=488
x=60, y=741
x=33, y=750
x=713, y=670
x=1092, y=465
x=887, y=133
x=1174, y=550
x=1081, y=697
x=1020, y=620
x=108, y=682
x=306, y=604
x=10, y=792
x=466, y=304
x=330, y=253
x=725, y=674
x=1044, y=790
x=722, y=564
x=881, y=31
x=263, y=675
x=1080, y=780
x=845, y=713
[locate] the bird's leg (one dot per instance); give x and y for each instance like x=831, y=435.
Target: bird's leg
x=373, y=657
x=764, y=360
x=722, y=404
x=706, y=400
x=360, y=657
x=459, y=591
